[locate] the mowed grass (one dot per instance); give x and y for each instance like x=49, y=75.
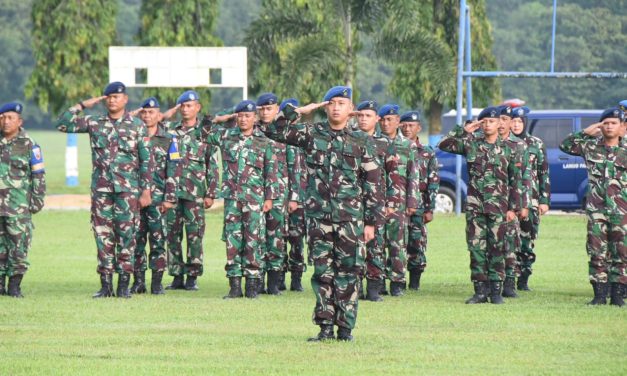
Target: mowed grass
x=59, y=329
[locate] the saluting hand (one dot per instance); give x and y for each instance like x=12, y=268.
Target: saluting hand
x=224, y=118
x=89, y=103
x=135, y=112
x=169, y=113
x=472, y=126
x=304, y=110
x=593, y=129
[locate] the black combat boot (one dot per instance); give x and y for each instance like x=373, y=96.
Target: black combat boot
x=414, y=279
x=262, y=284
x=521, y=284
x=344, y=334
x=326, y=333
x=396, y=288
x=282, y=286
x=14, y=286
x=481, y=293
x=373, y=288
x=274, y=277
x=106, y=289
x=139, y=283
x=616, y=296
x=190, y=283
x=496, y=289
x=384, y=290
x=509, y=291
x=3, y=290
x=123, y=281
x=235, y=284
x=600, y=294
x=295, y=284
x=156, y=288
x=178, y=283
x=252, y=287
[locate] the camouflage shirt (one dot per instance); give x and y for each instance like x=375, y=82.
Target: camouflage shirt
x=607, y=172
x=280, y=153
x=524, y=187
x=22, y=182
x=429, y=176
x=120, y=150
x=297, y=174
x=383, y=151
x=493, y=174
x=539, y=167
x=165, y=170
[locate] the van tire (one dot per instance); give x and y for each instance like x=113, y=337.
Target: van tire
x=445, y=200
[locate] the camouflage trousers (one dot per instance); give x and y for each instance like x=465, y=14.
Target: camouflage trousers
x=417, y=243
x=275, y=251
x=484, y=236
x=189, y=216
x=244, y=228
x=339, y=253
x=607, y=248
x=15, y=239
x=152, y=227
x=296, y=239
x=375, y=255
x=114, y=222
x=512, y=247
x=528, y=234
x=395, y=232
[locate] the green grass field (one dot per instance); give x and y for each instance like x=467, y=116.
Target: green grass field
x=59, y=329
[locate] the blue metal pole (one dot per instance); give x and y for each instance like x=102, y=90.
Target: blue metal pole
x=459, y=99
x=468, y=67
x=553, y=36
x=514, y=74
x=71, y=160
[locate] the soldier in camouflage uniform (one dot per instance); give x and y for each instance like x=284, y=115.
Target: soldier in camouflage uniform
x=540, y=195
x=606, y=203
x=494, y=197
x=402, y=197
x=429, y=185
x=250, y=186
x=195, y=193
x=120, y=183
x=342, y=207
x=165, y=175
x=22, y=190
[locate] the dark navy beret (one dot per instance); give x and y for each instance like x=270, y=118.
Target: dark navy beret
x=489, y=113
x=505, y=110
x=410, y=116
x=189, y=95
x=519, y=112
x=114, y=88
x=338, y=91
x=613, y=113
x=11, y=107
x=389, y=109
x=267, y=98
x=151, y=102
x=292, y=101
x=245, y=106
x=623, y=105
x=368, y=105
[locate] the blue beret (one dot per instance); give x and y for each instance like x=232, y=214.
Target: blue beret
x=389, y=109
x=489, y=113
x=267, y=98
x=519, y=112
x=151, y=102
x=612, y=113
x=114, y=88
x=410, y=116
x=338, y=91
x=189, y=95
x=292, y=101
x=245, y=106
x=368, y=105
x=11, y=107
x=623, y=105
x=505, y=110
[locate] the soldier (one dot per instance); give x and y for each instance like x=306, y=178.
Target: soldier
x=342, y=207
x=249, y=188
x=195, y=193
x=403, y=201
x=165, y=175
x=429, y=185
x=120, y=181
x=540, y=195
x=606, y=203
x=493, y=199
x=22, y=190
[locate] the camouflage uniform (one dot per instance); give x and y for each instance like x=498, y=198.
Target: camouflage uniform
x=198, y=180
x=342, y=196
x=121, y=170
x=249, y=177
x=22, y=190
x=429, y=185
x=296, y=220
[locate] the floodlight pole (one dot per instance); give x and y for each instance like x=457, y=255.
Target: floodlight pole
x=460, y=97
x=553, y=37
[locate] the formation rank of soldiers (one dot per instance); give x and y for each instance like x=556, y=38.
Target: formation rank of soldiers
x=361, y=192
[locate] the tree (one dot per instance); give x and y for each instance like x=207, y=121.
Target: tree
x=172, y=23
x=420, y=38
x=70, y=46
